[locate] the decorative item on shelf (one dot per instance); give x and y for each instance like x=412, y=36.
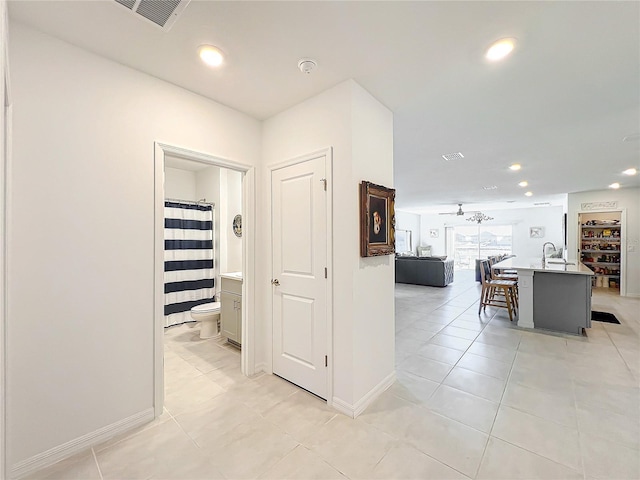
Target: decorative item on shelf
x=237, y=225
x=377, y=220
x=479, y=217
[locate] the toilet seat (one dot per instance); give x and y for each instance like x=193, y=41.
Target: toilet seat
x=211, y=307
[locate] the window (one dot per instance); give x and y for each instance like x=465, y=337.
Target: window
x=470, y=243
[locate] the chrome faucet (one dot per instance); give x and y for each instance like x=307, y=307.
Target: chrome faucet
x=544, y=246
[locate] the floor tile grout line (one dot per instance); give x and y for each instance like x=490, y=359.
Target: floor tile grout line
x=506, y=383
x=187, y=434
x=537, y=454
x=583, y=472
x=412, y=445
x=95, y=459
x=575, y=409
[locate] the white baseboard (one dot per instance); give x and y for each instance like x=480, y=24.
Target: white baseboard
x=261, y=367
x=633, y=295
x=343, y=407
x=358, y=407
x=77, y=445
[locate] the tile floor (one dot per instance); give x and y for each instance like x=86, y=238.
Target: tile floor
x=474, y=398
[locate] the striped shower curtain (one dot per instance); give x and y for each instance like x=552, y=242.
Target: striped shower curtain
x=188, y=259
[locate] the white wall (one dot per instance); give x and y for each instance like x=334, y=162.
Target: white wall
x=4, y=148
x=360, y=131
x=81, y=233
x=409, y=221
x=231, y=204
x=629, y=202
x=521, y=219
x=223, y=187
x=374, y=278
x=207, y=186
x=180, y=184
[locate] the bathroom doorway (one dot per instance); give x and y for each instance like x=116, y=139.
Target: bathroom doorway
x=183, y=163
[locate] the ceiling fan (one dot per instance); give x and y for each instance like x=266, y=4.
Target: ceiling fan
x=459, y=213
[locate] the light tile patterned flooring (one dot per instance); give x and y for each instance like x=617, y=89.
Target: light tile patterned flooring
x=474, y=398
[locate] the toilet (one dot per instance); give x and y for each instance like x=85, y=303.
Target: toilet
x=208, y=314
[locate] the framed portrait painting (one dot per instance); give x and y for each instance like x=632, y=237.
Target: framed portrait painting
x=377, y=220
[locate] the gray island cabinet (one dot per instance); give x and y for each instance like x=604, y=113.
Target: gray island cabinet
x=554, y=295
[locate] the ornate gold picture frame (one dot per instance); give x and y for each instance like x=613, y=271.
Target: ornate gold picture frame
x=377, y=220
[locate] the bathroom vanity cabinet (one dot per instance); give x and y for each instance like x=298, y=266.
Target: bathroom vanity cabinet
x=231, y=307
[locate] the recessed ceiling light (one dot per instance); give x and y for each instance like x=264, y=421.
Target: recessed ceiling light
x=211, y=55
x=614, y=185
x=515, y=167
x=500, y=49
x=528, y=194
x=630, y=171
x=524, y=183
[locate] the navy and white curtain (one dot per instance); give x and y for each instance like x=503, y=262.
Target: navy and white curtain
x=188, y=259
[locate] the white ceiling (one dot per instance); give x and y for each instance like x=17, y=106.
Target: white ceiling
x=560, y=104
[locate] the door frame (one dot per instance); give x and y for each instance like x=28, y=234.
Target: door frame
x=623, y=242
x=5, y=219
x=328, y=154
x=248, y=351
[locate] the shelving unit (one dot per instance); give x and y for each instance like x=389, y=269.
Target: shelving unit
x=600, y=248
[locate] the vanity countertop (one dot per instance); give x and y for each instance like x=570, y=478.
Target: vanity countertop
x=232, y=275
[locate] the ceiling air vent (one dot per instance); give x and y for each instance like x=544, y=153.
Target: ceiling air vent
x=453, y=156
x=127, y=3
x=162, y=13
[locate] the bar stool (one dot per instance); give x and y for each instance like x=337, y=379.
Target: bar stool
x=493, y=290
x=495, y=275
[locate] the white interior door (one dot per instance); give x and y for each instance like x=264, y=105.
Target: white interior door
x=299, y=212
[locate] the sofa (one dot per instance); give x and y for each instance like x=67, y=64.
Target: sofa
x=429, y=271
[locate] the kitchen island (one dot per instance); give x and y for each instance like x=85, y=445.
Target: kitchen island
x=554, y=296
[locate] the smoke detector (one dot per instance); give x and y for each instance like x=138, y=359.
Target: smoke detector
x=306, y=65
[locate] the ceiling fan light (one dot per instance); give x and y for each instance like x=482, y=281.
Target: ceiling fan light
x=479, y=217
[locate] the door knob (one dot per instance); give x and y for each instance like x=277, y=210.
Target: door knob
x=275, y=282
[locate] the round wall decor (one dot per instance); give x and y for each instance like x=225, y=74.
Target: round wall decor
x=237, y=225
